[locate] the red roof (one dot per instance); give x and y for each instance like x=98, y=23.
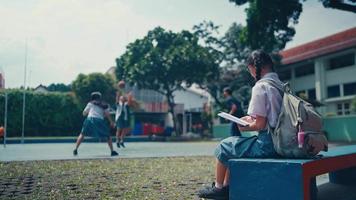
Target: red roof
x=339, y=41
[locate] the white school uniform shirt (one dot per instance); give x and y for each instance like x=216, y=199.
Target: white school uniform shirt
x=94, y=111
x=266, y=100
x=119, y=108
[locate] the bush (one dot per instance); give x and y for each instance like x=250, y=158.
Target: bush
x=50, y=114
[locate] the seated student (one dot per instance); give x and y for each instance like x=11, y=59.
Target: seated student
x=263, y=111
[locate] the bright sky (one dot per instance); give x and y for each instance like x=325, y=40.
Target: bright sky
x=68, y=37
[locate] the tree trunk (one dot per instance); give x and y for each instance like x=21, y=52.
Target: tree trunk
x=171, y=105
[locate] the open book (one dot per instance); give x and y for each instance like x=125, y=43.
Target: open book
x=233, y=118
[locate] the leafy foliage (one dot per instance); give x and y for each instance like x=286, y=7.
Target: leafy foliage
x=84, y=85
x=164, y=60
x=59, y=87
x=353, y=105
x=51, y=114
x=269, y=23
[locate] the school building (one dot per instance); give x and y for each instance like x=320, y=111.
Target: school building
x=324, y=70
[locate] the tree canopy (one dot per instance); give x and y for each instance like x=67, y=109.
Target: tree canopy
x=84, y=85
x=269, y=23
x=164, y=60
x=59, y=87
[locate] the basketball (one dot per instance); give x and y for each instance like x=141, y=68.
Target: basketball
x=121, y=84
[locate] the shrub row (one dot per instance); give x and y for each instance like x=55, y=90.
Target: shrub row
x=46, y=114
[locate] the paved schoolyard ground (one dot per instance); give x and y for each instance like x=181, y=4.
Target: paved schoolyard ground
x=63, y=151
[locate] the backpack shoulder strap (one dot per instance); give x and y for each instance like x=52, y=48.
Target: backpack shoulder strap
x=273, y=83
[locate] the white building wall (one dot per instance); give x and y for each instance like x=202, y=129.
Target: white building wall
x=190, y=100
x=322, y=78
x=304, y=83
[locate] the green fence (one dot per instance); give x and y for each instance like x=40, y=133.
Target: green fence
x=223, y=131
x=340, y=129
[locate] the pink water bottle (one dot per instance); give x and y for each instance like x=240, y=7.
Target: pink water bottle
x=301, y=135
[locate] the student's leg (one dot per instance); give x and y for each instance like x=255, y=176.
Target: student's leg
x=227, y=178
x=117, y=135
x=77, y=144
x=124, y=132
x=217, y=191
x=110, y=144
x=79, y=140
x=113, y=153
x=220, y=174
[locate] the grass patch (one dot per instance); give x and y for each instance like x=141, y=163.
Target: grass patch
x=146, y=178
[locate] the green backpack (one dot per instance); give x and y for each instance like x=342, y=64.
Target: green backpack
x=298, y=133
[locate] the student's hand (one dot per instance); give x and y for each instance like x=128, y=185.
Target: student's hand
x=248, y=119
x=112, y=125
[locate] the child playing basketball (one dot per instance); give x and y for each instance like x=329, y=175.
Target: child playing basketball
x=94, y=124
x=122, y=120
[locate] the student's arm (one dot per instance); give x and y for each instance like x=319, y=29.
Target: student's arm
x=233, y=109
x=86, y=109
x=256, y=124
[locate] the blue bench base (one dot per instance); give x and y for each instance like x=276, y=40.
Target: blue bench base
x=292, y=179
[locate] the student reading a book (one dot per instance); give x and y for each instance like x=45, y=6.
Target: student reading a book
x=235, y=109
x=263, y=111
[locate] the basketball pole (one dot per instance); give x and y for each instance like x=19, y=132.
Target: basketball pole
x=5, y=119
x=24, y=98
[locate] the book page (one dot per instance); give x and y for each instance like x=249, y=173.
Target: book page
x=233, y=119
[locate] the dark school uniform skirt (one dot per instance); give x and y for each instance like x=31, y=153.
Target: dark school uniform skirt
x=95, y=127
x=122, y=123
x=259, y=146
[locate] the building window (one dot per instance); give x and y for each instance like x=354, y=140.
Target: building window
x=333, y=91
x=304, y=70
x=285, y=75
x=312, y=94
x=350, y=89
x=343, y=108
x=342, y=61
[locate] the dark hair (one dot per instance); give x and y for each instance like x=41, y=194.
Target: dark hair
x=259, y=59
x=95, y=96
x=228, y=90
x=96, y=100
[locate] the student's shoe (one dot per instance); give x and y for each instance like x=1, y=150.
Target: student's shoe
x=75, y=152
x=214, y=193
x=114, y=153
x=122, y=144
x=118, y=145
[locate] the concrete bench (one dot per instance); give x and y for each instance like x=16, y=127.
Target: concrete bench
x=292, y=179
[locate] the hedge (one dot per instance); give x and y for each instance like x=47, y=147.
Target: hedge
x=47, y=114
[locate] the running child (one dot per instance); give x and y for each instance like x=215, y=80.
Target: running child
x=95, y=124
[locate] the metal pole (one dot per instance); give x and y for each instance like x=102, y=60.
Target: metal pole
x=5, y=119
x=24, y=98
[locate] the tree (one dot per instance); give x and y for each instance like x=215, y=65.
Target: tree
x=84, y=85
x=59, y=87
x=230, y=52
x=353, y=105
x=269, y=23
x=163, y=61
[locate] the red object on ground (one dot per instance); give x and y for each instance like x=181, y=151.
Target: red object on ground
x=2, y=131
x=147, y=128
x=157, y=129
